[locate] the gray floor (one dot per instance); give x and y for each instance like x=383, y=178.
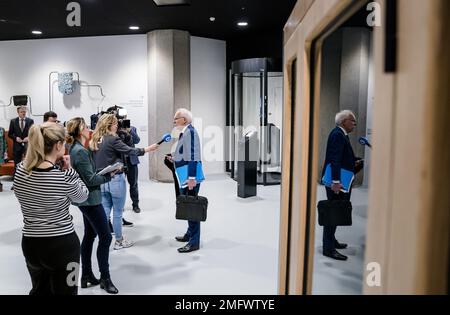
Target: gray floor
x=342, y=277
x=239, y=250
x=238, y=255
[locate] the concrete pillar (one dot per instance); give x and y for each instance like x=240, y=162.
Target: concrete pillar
x=354, y=82
x=168, y=90
x=329, y=90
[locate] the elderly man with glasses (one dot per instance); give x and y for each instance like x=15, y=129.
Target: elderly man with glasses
x=188, y=153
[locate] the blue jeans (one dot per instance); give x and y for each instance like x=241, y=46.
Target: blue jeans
x=193, y=231
x=113, y=196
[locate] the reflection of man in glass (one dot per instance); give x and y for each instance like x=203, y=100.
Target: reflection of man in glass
x=339, y=155
x=18, y=132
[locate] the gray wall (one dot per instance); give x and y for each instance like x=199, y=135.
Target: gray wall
x=329, y=90
x=345, y=85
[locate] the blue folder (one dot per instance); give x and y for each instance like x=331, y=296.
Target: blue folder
x=182, y=174
x=347, y=178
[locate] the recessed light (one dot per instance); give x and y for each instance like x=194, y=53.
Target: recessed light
x=242, y=24
x=36, y=32
x=134, y=28
x=172, y=2
x=212, y=18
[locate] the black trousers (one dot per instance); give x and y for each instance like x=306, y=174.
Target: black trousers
x=18, y=152
x=132, y=177
x=193, y=231
x=329, y=239
x=95, y=224
x=53, y=264
x=171, y=167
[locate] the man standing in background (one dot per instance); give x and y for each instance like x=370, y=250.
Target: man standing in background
x=51, y=117
x=132, y=162
x=18, y=132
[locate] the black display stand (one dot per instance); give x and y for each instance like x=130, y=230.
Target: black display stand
x=247, y=166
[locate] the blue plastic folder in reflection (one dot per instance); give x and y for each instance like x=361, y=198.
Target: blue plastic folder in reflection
x=182, y=174
x=347, y=178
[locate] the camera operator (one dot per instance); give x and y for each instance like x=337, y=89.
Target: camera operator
x=130, y=137
x=108, y=149
x=124, y=134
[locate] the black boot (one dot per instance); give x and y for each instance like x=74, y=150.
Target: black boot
x=89, y=278
x=108, y=286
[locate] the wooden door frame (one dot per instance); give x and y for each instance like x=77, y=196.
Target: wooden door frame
x=297, y=223
x=403, y=149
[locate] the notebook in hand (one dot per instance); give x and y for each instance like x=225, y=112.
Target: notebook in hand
x=347, y=178
x=182, y=174
x=111, y=168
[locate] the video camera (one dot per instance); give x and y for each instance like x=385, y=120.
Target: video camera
x=121, y=114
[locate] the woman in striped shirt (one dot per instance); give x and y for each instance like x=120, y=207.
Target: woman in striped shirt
x=45, y=191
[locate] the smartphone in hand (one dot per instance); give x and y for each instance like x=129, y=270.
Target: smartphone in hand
x=63, y=163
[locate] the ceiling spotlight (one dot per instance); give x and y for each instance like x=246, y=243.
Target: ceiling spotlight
x=242, y=24
x=36, y=32
x=172, y=2
x=212, y=18
x=134, y=28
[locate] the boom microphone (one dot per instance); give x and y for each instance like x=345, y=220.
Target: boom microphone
x=166, y=138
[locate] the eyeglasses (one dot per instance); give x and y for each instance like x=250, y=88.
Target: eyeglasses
x=176, y=118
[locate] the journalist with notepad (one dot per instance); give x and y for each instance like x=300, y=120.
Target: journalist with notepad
x=338, y=173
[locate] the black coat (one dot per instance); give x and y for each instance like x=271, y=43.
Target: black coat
x=339, y=154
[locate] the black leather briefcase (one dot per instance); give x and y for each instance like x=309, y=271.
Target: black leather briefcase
x=335, y=213
x=192, y=208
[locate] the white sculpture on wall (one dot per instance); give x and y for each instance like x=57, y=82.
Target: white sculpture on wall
x=65, y=83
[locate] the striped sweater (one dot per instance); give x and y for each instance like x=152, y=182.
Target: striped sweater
x=45, y=196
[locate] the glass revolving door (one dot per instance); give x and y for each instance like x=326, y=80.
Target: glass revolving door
x=257, y=103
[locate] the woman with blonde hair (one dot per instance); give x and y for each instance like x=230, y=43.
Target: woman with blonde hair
x=94, y=217
x=108, y=149
x=45, y=191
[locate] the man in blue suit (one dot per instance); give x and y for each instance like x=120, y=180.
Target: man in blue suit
x=188, y=153
x=340, y=155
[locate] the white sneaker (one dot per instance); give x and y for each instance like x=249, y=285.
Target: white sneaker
x=123, y=243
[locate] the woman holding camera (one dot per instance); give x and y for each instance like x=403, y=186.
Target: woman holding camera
x=108, y=149
x=49, y=243
x=94, y=217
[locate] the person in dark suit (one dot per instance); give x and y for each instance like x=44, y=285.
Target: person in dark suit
x=188, y=153
x=18, y=132
x=132, y=161
x=339, y=154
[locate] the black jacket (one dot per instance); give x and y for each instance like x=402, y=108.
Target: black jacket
x=111, y=150
x=14, y=130
x=339, y=154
